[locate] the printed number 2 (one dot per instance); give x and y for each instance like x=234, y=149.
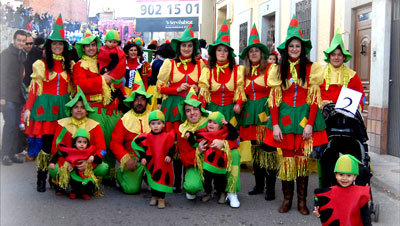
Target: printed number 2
x=350, y=102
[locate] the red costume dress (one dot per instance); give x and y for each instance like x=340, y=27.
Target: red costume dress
x=104, y=58
x=172, y=74
x=160, y=174
x=344, y=206
x=293, y=107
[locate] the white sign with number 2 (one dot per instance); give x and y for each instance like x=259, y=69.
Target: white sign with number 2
x=348, y=99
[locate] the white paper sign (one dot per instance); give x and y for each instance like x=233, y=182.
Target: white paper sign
x=349, y=100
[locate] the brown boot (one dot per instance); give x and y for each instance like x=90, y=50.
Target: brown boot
x=288, y=189
x=302, y=184
x=161, y=203
x=153, y=201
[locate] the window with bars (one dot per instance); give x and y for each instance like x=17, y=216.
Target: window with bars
x=303, y=14
x=242, y=38
x=271, y=32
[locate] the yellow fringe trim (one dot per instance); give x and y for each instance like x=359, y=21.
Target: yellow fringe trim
x=287, y=171
x=302, y=166
x=112, y=172
x=308, y=147
x=160, y=85
x=275, y=95
x=89, y=173
x=42, y=161
x=64, y=175
x=266, y=160
x=205, y=93
x=239, y=93
x=228, y=153
x=314, y=95
x=260, y=133
x=232, y=179
x=199, y=163
x=106, y=92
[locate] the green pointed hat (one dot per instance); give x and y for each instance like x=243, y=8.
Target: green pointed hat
x=87, y=39
x=188, y=35
x=78, y=96
x=193, y=100
x=82, y=132
x=58, y=33
x=254, y=41
x=347, y=164
x=222, y=38
x=156, y=115
x=216, y=116
x=294, y=31
x=337, y=41
x=138, y=88
x=112, y=35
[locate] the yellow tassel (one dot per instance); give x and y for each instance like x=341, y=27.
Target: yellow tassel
x=266, y=160
x=260, y=133
x=308, y=147
x=232, y=179
x=42, y=161
x=287, y=171
x=275, y=95
x=314, y=95
x=302, y=166
x=123, y=161
x=106, y=93
x=228, y=153
x=199, y=163
x=64, y=175
x=89, y=173
x=239, y=93
x=205, y=93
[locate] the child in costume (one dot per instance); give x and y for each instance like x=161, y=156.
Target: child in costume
x=156, y=151
x=112, y=58
x=345, y=203
x=82, y=182
x=216, y=162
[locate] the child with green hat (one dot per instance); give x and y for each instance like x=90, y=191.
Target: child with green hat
x=216, y=162
x=112, y=59
x=156, y=151
x=345, y=203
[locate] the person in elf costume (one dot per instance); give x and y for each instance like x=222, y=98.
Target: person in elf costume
x=48, y=93
x=329, y=202
x=98, y=91
x=194, y=117
x=83, y=182
x=296, y=123
x=135, y=65
x=221, y=88
x=216, y=162
x=255, y=114
x=132, y=124
x=336, y=75
x=112, y=58
x=175, y=79
x=156, y=150
x=66, y=129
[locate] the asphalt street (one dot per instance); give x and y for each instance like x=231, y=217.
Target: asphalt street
x=22, y=205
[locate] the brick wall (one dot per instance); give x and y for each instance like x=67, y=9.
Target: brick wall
x=70, y=9
x=377, y=129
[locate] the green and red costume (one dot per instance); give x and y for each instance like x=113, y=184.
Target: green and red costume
x=160, y=174
x=98, y=93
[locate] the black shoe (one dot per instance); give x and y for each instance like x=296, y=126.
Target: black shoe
x=15, y=159
x=255, y=191
x=6, y=161
x=177, y=190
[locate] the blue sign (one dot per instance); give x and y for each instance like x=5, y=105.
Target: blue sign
x=165, y=24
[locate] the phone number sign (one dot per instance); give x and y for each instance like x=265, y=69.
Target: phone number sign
x=167, y=8
x=165, y=24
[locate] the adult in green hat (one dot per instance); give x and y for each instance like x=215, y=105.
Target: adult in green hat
x=46, y=101
x=133, y=123
x=175, y=78
x=253, y=120
x=66, y=130
x=97, y=89
x=296, y=124
x=336, y=75
x=222, y=89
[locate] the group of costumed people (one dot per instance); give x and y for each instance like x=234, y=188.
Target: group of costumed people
x=206, y=109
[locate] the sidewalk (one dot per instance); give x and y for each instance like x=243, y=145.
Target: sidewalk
x=386, y=174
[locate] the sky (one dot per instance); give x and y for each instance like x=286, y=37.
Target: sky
x=123, y=8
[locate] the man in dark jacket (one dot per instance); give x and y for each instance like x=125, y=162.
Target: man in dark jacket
x=33, y=54
x=12, y=100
